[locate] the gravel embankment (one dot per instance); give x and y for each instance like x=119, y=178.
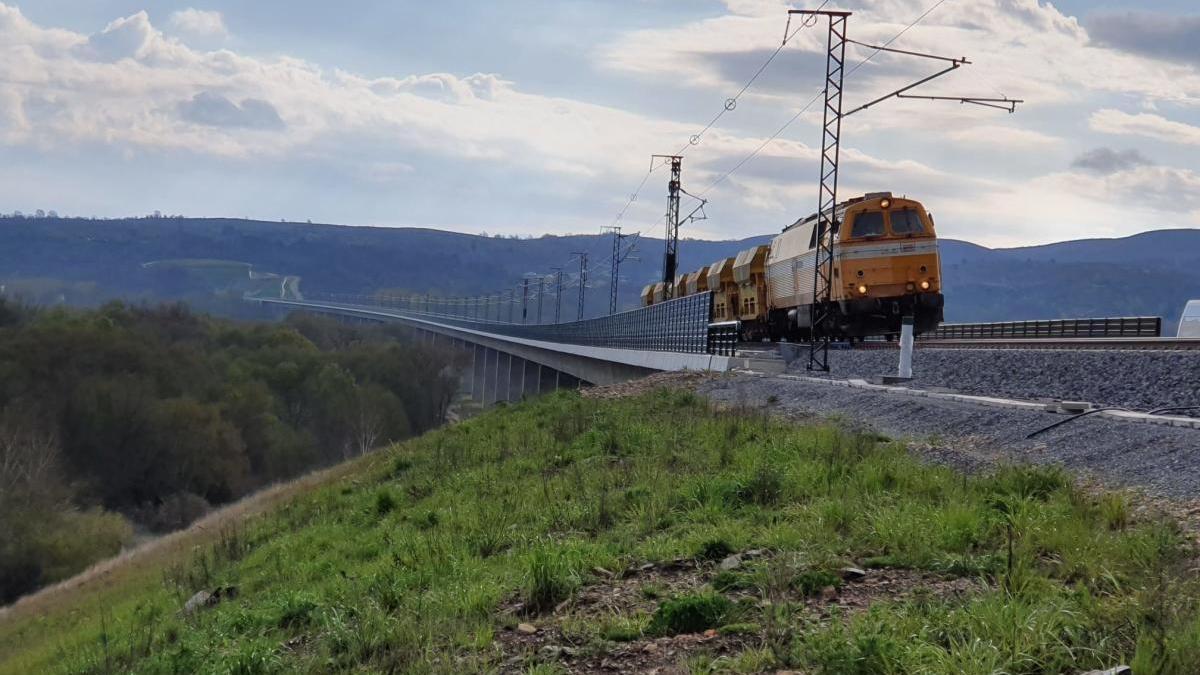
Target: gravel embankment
x=1164, y=460
x=1139, y=380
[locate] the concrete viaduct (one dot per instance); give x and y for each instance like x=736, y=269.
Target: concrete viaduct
x=506, y=368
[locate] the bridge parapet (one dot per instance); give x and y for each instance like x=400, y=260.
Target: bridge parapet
x=675, y=337
x=680, y=325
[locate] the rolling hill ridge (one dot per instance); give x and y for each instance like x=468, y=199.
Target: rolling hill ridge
x=85, y=262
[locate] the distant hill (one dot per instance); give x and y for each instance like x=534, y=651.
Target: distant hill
x=85, y=262
x=1149, y=274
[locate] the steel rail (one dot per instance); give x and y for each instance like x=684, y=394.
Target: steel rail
x=1120, y=344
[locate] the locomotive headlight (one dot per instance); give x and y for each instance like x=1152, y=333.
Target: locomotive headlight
x=885, y=203
x=862, y=289
x=925, y=285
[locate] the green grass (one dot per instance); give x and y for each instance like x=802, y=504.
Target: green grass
x=691, y=614
x=406, y=561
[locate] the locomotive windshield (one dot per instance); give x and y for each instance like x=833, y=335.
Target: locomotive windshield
x=907, y=221
x=867, y=224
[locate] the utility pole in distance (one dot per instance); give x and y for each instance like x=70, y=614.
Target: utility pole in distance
x=670, y=260
x=541, y=291
x=558, y=293
x=583, y=256
x=618, y=257
x=525, y=300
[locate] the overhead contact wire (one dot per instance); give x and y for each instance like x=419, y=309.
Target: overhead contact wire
x=808, y=105
x=731, y=103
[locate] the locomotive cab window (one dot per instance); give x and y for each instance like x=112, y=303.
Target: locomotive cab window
x=867, y=224
x=907, y=221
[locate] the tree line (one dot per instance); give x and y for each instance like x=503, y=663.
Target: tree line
x=140, y=417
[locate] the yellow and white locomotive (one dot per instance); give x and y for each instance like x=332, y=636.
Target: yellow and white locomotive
x=885, y=266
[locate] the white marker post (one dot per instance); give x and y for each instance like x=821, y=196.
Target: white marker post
x=906, y=348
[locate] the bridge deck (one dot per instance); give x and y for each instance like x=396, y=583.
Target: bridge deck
x=583, y=361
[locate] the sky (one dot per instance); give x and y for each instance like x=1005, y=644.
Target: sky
x=540, y=116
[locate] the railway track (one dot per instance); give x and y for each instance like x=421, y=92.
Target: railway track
x=1075, y=344
x=766, y=350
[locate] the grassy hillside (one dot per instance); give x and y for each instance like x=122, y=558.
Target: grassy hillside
x=566, y=534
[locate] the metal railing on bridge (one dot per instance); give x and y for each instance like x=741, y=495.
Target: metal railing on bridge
x=679, y=325
x=1115, y=327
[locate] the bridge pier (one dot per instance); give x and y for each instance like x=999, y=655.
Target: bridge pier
x=478, y=379
x=531, y=383
x=503, y=375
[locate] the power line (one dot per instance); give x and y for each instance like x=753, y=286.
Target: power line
x=813, y=100
x=894, y=37
x=731, y=103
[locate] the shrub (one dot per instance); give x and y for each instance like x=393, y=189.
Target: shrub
x=77, y=539
x=550, y=578
x=176, y=512
x=714, y=549
x=1029, y=482
x=1114, y=510
x=621, y=629
x=690, y=614
x=810, y=582
x=764, y=487
x=728, y=580
x=401, y=465
x=739, y=629
x=384, y=502
x=295, y=610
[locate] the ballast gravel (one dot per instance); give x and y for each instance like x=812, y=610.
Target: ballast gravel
x=1133, y=379
x=969, y=437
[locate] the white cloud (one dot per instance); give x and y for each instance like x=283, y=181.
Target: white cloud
x=1023, y=48
x=1112, y=121
x=135, y=91
x=198, y=23
x=133, y=87
x=997, y=136
x=129, y=37
x=1072, y=205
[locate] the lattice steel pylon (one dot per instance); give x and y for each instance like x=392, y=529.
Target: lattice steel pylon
x=670, y=257
x=541, y=292
x=557, y=293
x=821, y=311
x=525, y=300
x=618, y=257
x=615, y=270
x=821, y=315
x=583, y=256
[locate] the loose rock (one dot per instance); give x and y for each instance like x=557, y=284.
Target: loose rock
x=526, y=628
x=550, y=652
x=973, y=438
x=731, y=563
x=852, y=573
x=197, y=601
x=1141, y=379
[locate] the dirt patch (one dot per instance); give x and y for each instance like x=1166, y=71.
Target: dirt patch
x=569, y=636
x=682, y=379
